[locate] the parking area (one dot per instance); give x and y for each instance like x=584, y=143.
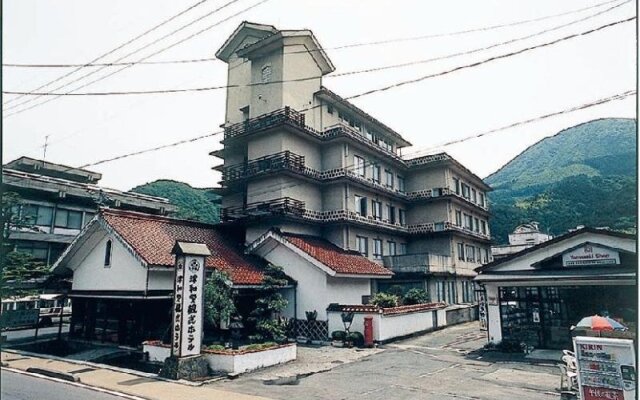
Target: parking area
x=445, y=364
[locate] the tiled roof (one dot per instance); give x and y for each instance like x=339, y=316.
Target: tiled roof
x=153, y=237
x=339, y=260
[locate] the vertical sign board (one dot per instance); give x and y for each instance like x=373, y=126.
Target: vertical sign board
x=481, y=295
x=187, y=306
x=606, y=368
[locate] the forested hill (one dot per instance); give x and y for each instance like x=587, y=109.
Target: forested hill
x=584, y=175
x=193, y=203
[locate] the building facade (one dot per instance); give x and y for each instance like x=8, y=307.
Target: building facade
x=536, y=295
x=299, y=158
x=524, y=236
x=56, y=201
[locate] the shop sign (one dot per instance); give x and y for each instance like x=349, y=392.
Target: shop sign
x=481, y=295
x=589, y=254
x=606, y=368
x=187, y=306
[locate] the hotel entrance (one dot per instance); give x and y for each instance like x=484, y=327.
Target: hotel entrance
x=541, y=316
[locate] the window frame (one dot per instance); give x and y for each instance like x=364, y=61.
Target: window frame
x=360, y=165
x=378, y=250
x=362, y=240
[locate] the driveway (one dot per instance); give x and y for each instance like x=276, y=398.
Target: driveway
x=438, y=365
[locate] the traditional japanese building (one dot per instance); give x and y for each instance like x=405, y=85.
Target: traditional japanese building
x=303, y=160
x=537, y=294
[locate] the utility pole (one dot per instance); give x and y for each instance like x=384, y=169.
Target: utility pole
x=46, y=143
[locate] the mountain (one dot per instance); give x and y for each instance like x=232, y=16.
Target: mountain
x=193, y=203
x=584, y=175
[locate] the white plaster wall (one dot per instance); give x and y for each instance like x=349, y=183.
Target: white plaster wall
x=266, y=98
x=161, y=280
x=125, y=272
x=392, y=326
x=265, y=145
x=335, y=322
x=304, y=147
x=312, y=283
x=299, y=64
x=240, y=363
x=157, y=353
x=347, y=290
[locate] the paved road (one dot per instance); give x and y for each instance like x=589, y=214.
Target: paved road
x=24, y=387
x=438, y=365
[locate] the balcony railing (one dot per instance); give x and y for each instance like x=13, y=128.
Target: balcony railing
x=430, y=227
x=285, y=115
x=342, y=130
x=440, y=192
x=419, y=263
x=285, y=160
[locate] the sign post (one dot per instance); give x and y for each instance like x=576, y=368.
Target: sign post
x=606, y=368
x=187, y=316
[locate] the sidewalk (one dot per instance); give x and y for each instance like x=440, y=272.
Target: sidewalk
x=123, y=382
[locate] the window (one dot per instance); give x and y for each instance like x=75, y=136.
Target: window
x=361, y=205
x=362, y=243
x=266, y=73
x=477, y=225
x=461, y=251
x=402, y=216
x=401, y=184
x=456, y=183
x=38, y=215
x=107, y=254
x=483, y=227
x=465, y=191
x=474, y=196
x=245, y=113
x=468, y=221
x=329, y=109
x=451, y=292
x=392, y=248
x=376, y=209
x=482, y=200
x=358, y=162
x=375, y=172
x=486, y=256
x=377, y=248
x=440, y=290
x=478, y=255
x=68, y=219
x=458, y=218
x=388, y=178
x=471, y=253
x=465, y=291
x=402, y=249
x=391, y=214
x=39, y=250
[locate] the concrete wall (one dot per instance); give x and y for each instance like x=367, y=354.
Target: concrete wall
x=333, y=156
x=437, y=211
x=333, y=197
x=347, y=290
x=239, y=363
x=162, y=280
x=124, y=273
x=299, y=64
x=269, y=97
x=426, y=178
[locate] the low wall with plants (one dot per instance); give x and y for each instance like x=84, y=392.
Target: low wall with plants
x=250, y=357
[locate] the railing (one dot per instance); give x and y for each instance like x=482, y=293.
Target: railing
x=283, y=205
x=342, y=130
x=266, y=121
x=430, y=227
x=439, y=192
x=419, y=263
x=271, y=163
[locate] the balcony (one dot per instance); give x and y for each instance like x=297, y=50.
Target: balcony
x=285, y=115
x=285, y=160
x=420, y=263
x=435, y=193
x=289, y=207
x=446, y=226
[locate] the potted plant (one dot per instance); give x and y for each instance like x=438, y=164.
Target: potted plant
x=311, y=315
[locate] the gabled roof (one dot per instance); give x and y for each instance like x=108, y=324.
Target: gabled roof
x=331, y=258
x=586, y=230
x=246, y=30
x=153, y=237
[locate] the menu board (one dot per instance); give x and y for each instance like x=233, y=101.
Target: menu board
x=606, y=368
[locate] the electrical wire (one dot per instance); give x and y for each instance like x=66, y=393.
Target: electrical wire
x=368, y=70
x=341, y=47
x=142, y=59
x=193, y=6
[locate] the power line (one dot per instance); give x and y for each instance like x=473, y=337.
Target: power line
x=340, y=47
x=375, y=69
x=127, y=55
x=199, y=3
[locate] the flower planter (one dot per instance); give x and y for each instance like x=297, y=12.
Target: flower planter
x=239, y=361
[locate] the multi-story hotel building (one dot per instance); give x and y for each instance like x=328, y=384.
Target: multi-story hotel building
x=300, y=158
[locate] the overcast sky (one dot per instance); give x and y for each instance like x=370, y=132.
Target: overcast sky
x=87, y=129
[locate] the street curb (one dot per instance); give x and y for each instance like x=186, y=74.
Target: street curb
x=53, y=374
x=77, y=384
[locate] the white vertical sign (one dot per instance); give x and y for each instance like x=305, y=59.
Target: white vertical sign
x=187, y=306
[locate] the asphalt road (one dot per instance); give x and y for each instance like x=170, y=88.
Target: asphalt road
x=25, y=387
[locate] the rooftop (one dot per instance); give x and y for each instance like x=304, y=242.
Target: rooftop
x=41, y=167
x=153, y=238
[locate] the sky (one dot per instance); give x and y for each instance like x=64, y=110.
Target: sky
x=85, y=129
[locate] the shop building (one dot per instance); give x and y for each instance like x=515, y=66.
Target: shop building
x=537, y=294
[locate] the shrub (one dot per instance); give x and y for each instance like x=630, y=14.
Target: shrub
x=218, y=299
x=415, y=296
x=216, y=347
x=384, y=300
x=395, y=290
x=268, y=307
x=338, y=335
x=260, y=346
x=311, y=315
x=356, y=338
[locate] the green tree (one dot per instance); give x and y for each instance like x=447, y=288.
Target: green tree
x=218, y=299
x=269, y=305
x=384, y=300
